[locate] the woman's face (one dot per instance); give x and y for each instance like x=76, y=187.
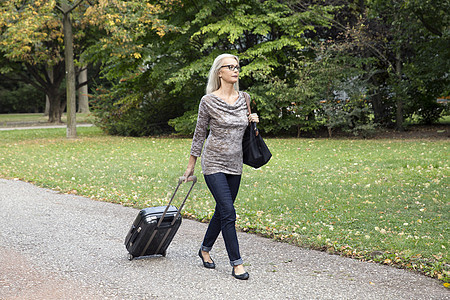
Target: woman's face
x=229, y=71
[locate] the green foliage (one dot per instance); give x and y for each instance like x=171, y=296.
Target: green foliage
x=427, y=110
x=265, y=35
x=31, y=32
x=18, y=97
x=128, y=109
x=325, y=74
x=336, y=79
x=351, y=116
x=412, y=52
x=428, y=79
x=185, y=125
x=32, y=38
x=397, y=51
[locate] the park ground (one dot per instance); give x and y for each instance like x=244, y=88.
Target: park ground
x=413, y=131
x=62, y=246
x=435, y=135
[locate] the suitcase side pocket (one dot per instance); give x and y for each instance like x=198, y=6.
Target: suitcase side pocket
x=135, y=235
x=132, y=236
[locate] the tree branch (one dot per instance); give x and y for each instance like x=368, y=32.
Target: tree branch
x=33, y=72
x=59, y=73
x=75, y=6
x=59, y=8
x=90, y=79
x=70, y=9
x=32, y=82
x=344, y=28
x=430, y=28
x=196, y=6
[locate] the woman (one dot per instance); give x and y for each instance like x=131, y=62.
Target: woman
x=224, y=110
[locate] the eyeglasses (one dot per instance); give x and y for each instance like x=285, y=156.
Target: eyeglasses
x=232, y=67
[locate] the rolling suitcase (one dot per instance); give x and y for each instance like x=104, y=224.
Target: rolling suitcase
x=154, y=227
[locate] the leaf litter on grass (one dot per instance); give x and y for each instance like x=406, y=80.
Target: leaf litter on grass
x=349, y=197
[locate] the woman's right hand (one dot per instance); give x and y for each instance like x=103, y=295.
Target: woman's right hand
x=189, y=172
x=253, y=118
x=190, y=168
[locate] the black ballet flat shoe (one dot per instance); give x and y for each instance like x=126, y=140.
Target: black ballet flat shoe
x=206, y=264
x=244, y=276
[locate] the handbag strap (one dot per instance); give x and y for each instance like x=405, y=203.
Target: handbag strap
x=247, y=99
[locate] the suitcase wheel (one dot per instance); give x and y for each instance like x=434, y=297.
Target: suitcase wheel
x=164, y=253
x=130, y=256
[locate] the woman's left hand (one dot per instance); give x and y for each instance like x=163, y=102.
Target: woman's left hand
x=253, y=118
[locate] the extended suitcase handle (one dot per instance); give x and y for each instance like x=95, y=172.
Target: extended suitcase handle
x=180, y=181
x=190, y=178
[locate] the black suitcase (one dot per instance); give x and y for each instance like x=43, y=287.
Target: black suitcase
x=154, y=227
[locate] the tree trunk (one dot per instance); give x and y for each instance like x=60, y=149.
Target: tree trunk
x=378, y=109
x=83, y=100
x=48, y=79
x=54, y=113
x=47, y=100
x=62, y=105
x=70, y=74
x=47, y=106
x=399, y=100
x=377, y=103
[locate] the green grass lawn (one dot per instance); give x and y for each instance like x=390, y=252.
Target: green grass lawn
x=38, y=118
x=358, y=198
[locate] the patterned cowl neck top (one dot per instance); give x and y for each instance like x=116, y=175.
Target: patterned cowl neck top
x=227, y=123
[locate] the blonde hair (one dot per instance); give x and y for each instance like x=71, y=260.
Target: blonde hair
x=213, y=77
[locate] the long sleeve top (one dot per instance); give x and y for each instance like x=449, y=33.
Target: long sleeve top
x=227, y=123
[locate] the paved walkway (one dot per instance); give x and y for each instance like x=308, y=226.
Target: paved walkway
x=56, y=246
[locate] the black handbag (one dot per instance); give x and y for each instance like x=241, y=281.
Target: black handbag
x=256, y=153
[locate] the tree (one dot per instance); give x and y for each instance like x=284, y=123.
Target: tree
x=31, y=47
x=266, y=36
x=428, y=71
x=32, y=38
x=83, y=99
x=410, y=41
x=404, y=46
x=66, y=10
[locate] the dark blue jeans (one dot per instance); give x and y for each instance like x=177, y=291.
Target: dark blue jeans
x=224, y=188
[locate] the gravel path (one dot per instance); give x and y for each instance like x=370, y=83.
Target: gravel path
x=56, y=246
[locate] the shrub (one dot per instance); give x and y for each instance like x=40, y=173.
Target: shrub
x=185, y=125
x=429, y=112
x=19, y=97
x=353, y=116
